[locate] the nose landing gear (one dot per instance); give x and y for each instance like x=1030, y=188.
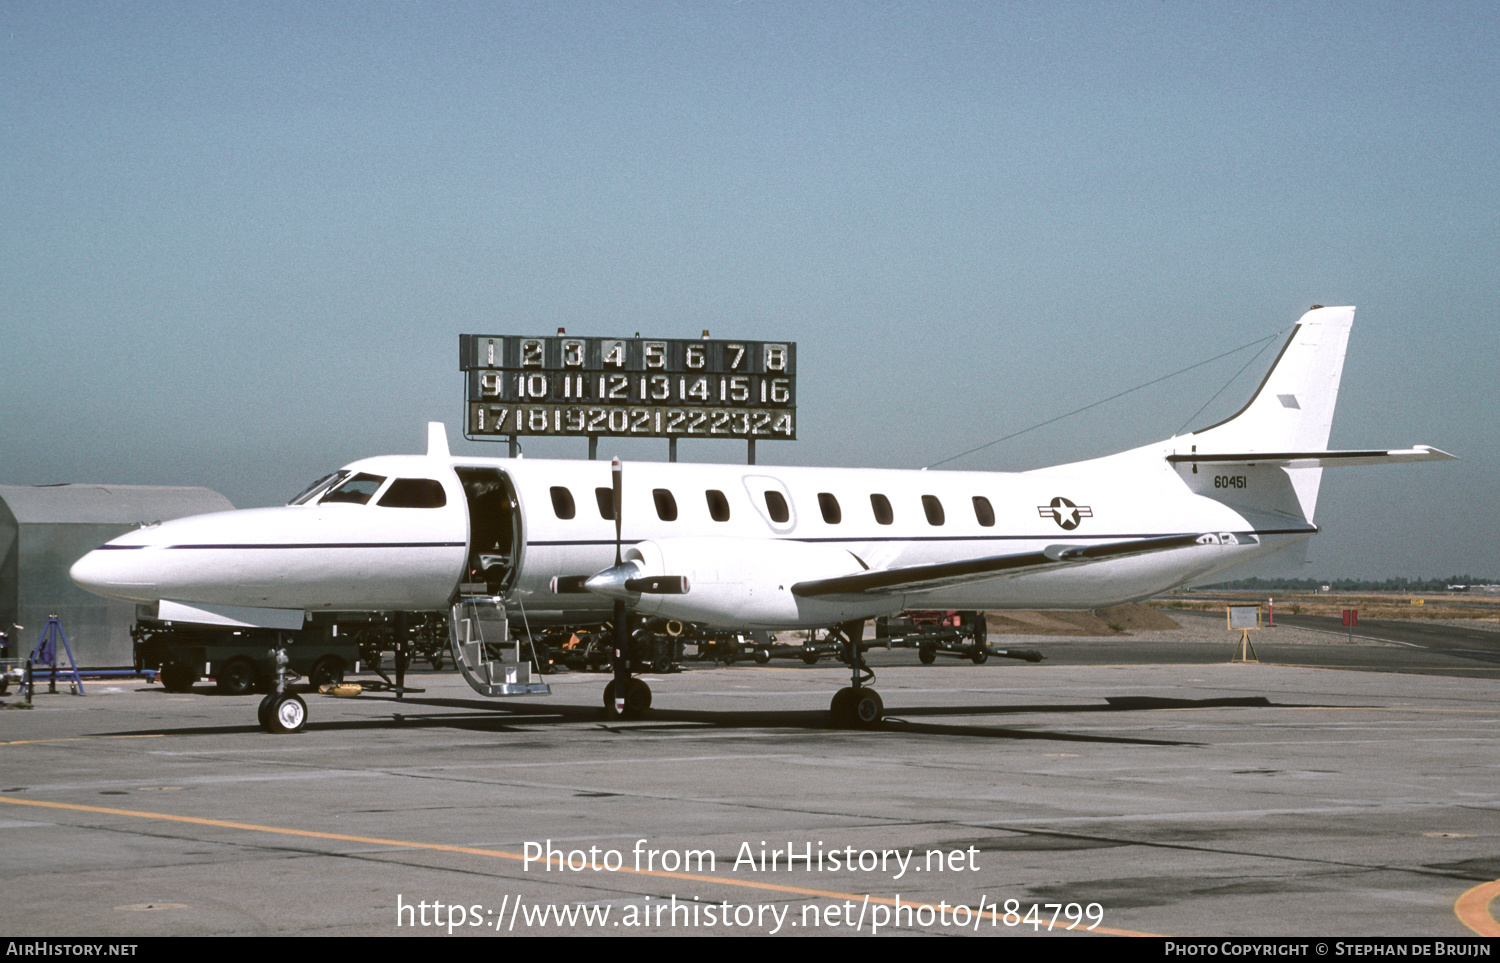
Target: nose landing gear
x=282, y=711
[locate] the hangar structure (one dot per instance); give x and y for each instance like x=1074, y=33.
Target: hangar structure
x=44, y=529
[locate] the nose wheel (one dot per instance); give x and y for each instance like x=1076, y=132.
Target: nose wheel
x=281, y=711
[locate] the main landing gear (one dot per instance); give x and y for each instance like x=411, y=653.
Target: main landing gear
x=637, y=699
x=625, y=697
x=856, y=706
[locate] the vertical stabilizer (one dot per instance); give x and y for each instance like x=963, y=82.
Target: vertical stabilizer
x=1292, y=410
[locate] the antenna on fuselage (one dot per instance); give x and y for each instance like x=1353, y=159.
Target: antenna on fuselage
x=437, y=440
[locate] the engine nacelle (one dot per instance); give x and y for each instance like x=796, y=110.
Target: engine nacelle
x=746, y=583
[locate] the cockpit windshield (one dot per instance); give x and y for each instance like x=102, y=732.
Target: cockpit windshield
x=355, y=491
x=318, y=487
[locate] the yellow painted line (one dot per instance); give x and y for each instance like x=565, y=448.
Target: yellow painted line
x=32, y=742
x=501, y=854
x=1473, y=909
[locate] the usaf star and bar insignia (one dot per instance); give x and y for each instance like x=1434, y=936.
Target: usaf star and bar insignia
x=1065, y=513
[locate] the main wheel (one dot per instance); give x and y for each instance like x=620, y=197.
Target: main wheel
x=236, y=678
x=637, y=699
x=176, y=677
x=927, y=655
x=286, y=713
x=842, y=707
x=328, y=670
x=980, y=655
x=868, y=709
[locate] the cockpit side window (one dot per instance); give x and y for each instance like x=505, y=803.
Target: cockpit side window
x=355, y=491
x=414, y=493
x=318, y=487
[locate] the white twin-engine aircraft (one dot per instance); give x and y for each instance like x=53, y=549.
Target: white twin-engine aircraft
x=759, y=547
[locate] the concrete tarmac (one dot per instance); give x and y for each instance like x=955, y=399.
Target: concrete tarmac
x=1186, y=798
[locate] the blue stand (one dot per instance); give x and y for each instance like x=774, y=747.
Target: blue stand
x=44, y=656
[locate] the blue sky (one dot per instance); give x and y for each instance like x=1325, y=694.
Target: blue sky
x=238, y=241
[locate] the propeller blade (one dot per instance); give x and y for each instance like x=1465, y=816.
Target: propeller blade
x=658, y=585
x=616, y=482
x=569, y=584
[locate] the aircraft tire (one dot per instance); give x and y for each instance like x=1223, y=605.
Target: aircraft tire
x=842, y=707
x=285, y=714
x=869, y=709
x=637, y=699
x=263, y=712
x=926, y=655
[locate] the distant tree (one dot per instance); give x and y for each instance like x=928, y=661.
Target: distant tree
x=1395, y=585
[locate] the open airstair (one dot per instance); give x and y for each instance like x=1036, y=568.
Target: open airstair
x=489, y=659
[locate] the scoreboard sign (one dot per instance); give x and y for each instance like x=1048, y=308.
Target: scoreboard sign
x=631, y=387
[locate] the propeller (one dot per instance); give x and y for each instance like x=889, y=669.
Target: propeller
x=622, y=581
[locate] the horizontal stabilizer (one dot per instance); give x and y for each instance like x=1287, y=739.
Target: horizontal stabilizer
x=918, y=578
x=1314, y=459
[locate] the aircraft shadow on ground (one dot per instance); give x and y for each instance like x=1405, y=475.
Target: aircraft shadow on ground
x=479, y=716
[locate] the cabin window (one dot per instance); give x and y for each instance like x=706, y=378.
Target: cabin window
x=882, y=508
x=562, y=502
x=830, y=506
x=777, y=507
x=933, y=508
x=355, y=491
x=414, y=493
x=984, y=512
x=718, y=505
x=606, y=499
x=666, y=505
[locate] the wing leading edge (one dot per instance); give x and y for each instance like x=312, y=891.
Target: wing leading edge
x=917, y=578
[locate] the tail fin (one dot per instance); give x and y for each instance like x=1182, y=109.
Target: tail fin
x=1292, y=410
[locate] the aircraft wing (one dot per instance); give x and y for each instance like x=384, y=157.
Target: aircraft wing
x=916, y=578
x=1314, y=459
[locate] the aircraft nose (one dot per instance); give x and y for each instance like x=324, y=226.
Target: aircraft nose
x=112, y=571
